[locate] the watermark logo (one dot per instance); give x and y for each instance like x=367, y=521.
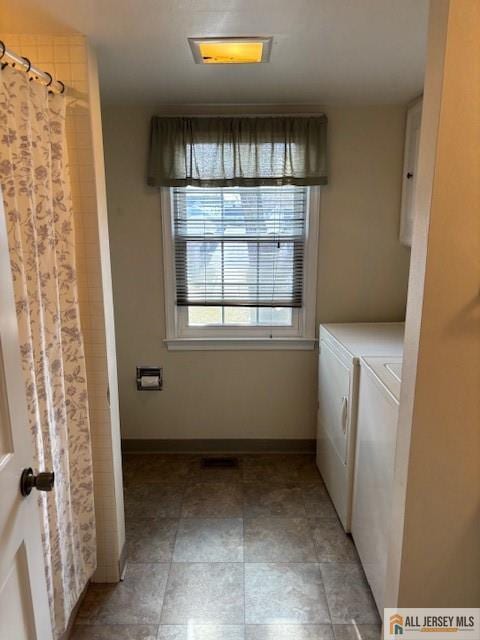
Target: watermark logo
x=413, y=624
x=396, y=625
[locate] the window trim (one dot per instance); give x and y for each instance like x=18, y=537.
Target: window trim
x=301, y=335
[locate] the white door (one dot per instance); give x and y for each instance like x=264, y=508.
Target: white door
x=24, y=611
x=412, y=141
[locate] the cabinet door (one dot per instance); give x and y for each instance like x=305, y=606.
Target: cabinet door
x=412, y=139
x=334, y=397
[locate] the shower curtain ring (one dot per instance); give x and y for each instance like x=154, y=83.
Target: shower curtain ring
x=29, y=64
x=51, y=78
x=4, y=48
x=63, y=86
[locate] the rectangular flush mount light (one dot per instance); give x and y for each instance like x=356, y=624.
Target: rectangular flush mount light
x=231, y=50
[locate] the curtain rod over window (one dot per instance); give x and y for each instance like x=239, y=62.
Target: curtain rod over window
x=248, y=151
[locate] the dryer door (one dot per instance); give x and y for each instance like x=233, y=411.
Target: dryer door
x=334, y=400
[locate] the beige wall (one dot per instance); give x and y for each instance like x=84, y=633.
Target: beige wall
x=435, y=552
x=363, y=273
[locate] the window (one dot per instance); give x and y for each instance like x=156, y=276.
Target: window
x=240, y=266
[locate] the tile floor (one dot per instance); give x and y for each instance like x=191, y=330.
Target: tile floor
x=250, y=553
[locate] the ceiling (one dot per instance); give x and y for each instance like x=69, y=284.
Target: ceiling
x=324, y=51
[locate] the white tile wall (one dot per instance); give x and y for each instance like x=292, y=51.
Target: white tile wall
x=66, y=58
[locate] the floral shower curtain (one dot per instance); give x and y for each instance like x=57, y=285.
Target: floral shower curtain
x=36, y=192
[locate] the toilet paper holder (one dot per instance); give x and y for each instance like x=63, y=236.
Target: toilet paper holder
x=149, y=378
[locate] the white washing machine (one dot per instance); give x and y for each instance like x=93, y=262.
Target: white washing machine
x=380, y=379
x=340, y=348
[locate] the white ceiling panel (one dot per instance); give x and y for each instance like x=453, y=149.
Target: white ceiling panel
x=324, y=51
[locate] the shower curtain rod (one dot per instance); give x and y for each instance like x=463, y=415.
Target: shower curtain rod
x=9, y=57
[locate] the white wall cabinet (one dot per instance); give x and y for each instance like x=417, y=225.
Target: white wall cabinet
x=412, y=139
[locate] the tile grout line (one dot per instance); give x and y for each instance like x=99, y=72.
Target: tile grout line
x=318, y=563
x=171, y=558
x=244, y=564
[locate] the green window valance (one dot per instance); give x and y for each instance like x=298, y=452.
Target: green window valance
x=241, y=151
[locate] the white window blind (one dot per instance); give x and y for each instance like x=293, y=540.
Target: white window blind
x=239, y=246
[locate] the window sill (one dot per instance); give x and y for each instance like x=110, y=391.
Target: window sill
x=237, y=344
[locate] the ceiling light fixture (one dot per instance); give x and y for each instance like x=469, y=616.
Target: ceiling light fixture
x=231, y=50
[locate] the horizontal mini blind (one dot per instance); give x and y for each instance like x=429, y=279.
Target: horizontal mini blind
x=239, y=246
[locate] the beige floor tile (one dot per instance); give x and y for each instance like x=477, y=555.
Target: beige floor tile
x=349, y=597
x=136, y=600
x=151, y=540
x=115, y=632
x=267, y=499
x=357, y=631
x=204, y=593
x=92, y=603
x=279, y=468
x=209, y=540
x=259, y=468
x=331, y=542
x=317, y=501
x=213, y=500
x=201, y=632
x=289, y=632
x=284, y=593
x=150, y=467
x=277, y=539
x=314, y=491
x=151, y=500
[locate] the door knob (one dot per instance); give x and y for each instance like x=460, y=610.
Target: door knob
x=43, y=481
